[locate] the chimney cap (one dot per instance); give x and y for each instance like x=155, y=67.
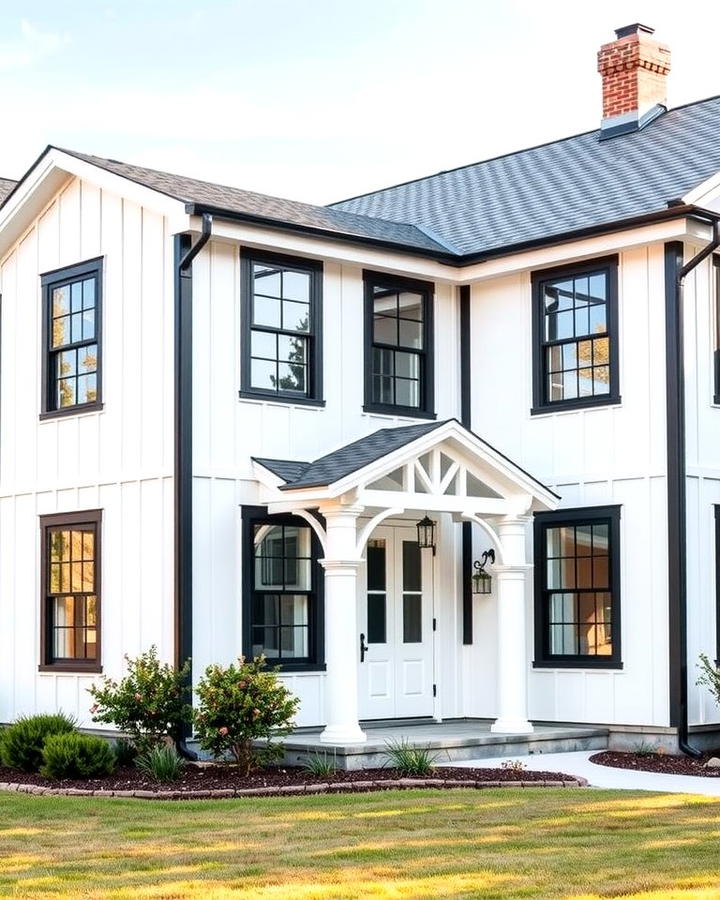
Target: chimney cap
x=635, y=28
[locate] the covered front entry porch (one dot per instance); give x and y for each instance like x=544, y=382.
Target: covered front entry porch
x=360, y=500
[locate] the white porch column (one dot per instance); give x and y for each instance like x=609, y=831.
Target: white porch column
x=341, y=635
x=512, y=643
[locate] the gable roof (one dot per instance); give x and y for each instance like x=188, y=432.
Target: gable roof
x=6, y=187
x=250, y=205
x=572, y=184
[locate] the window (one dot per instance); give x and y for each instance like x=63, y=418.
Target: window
x=577, y=588
x=283, y=616
x=71, y=338
x=575, y=336
x=716, y=344
x=282, y=322
x=70, y=572
x=398, y=345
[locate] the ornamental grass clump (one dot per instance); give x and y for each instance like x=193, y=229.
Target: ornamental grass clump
x=23, y=741
x=161, y=763
x=149, y=704
x=240, y=704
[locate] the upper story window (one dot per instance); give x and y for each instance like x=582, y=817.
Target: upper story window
x=398, y=345
x=575, y=336
x=72, y=339
x=282, y=328
x=283, y=590
x=70, y=571
x=577, y=587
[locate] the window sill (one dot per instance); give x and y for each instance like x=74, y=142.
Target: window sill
x=402, y=412
x=71, y=411
x=280, y=399
x=575, y=406
x=588, y=664
x=74, y=668
x=292, y=668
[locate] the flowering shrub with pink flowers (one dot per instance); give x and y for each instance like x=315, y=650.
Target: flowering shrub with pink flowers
x=149, y=704
x=240, y=704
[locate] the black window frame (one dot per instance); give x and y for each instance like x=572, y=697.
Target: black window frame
x=315, y=268
x=717, y=583
x=315, y=662
x=716, y=330
x=426, y=407
x=87, y=519
x=49, y=281
x=541, y=403
x=586, y=515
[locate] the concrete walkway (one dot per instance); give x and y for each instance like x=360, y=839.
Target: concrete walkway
x=604, y=776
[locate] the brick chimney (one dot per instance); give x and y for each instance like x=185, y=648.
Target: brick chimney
x=634, y=72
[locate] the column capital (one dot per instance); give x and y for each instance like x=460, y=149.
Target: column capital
x=515, y=519
x=341, y=566
x=520, y=570
x=354, y=509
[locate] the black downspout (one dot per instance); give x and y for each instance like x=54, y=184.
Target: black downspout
x=185, y=253
x=675, y=273
x=466, y=420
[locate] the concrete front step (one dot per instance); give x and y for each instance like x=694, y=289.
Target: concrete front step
x=448, y=742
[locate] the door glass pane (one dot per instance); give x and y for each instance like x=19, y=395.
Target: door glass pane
x=412, y=618
x=376, y=555
x=411, y=566
x=377, y=619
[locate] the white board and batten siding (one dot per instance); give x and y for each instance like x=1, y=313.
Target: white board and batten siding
x=119, y=459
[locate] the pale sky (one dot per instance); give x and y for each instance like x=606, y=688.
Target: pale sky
x=318, y=100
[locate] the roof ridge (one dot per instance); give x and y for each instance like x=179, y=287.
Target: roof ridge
x=499, y=156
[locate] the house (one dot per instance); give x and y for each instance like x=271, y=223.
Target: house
x=223, y=415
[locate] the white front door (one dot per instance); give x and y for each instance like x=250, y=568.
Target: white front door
x=395, y=627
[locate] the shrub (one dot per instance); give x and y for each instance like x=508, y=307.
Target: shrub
x=320, y=764
x=76, y=756
x=161, y=763
x=23, y=742
x=150, y=703
x=240, y=704
x=409, y=760
x=709, y=676
x=125, y=752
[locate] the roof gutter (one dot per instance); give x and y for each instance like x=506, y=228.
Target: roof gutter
x=675, y=274
x=185, y=253
x=458, y=260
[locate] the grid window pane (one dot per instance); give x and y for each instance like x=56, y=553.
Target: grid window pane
x=71, y=593
x=576, y=589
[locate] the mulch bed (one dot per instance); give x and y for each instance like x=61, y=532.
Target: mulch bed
x=206, y=781
x=665, y=763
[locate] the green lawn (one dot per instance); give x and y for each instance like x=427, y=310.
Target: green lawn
x=464, y=843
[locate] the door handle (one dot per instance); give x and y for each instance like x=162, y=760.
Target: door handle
x=363, y=648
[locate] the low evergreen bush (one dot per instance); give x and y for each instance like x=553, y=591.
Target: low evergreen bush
x=125, y=752
x=76, y=756
x=22, y=742
x=239, y=705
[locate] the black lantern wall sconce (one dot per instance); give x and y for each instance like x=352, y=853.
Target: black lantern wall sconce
x=482, y=580
x=426, y=534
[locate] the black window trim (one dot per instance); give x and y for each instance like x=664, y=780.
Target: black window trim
x=48, y=281
x=715, y=294
x=541, y=406
x=258, y=515
x=315, y=267
x=717, y=583
x=53, y=522
x=426, y=409
x=576, y=516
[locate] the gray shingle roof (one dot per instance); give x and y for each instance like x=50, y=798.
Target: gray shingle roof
x=235, y=201
x=348, y=459
x=6, y=185
x=575, y=183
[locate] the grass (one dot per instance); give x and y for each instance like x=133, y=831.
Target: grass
x=507, y=843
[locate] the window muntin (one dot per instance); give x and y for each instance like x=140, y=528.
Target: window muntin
x=282, y=592
x=71, y=590
x=282, y=326
x=577, y=587
x=575, y=329
x=72, y=343
x=398, y=359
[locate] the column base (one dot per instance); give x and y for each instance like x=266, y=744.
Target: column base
x=343, y=734
x=511, y=726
